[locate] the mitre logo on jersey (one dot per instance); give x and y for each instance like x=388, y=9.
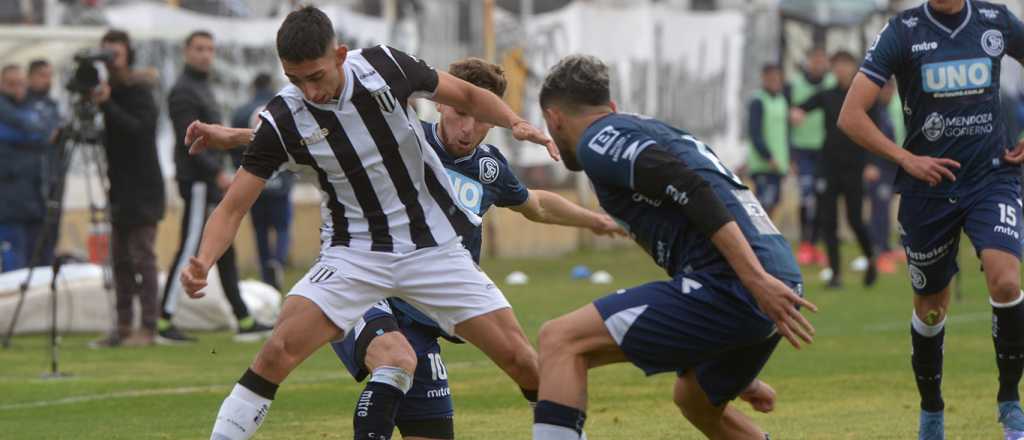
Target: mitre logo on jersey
x=488, y=170
x=924, y=46
x=958, y=77
x=992, y=42
x=385, y=100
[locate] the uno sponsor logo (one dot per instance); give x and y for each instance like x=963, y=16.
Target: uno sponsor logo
x=957, y=78
x=937, y=126
x=468, y=192
x=924, y=46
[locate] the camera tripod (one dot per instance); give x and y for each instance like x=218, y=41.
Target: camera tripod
x=79, y=138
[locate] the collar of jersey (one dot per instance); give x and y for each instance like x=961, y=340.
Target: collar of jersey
x=952, y=33
x=338, y=104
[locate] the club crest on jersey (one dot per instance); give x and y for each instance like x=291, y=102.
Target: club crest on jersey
x=488, y=170
x=385, y=100
x=992, y=42
x=322, y=273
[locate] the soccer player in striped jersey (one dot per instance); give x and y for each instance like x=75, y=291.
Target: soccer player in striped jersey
x=390, y=224
x=481, y=178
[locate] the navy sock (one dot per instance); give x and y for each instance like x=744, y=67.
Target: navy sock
x=558, y=415
x=926, y=360
x=1008, y=338
x=376, y=411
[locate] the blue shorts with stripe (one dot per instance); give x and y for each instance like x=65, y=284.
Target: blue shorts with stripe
x=707, y=322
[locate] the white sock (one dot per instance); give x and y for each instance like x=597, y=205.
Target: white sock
x=544, y=431
x=240, y=415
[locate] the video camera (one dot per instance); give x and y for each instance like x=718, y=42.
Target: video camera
x=90, y=70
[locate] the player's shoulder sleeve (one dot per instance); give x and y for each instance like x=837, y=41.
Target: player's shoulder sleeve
x=886, y=55
x=266, y=152
x=421, y=76
x=1013, y=30
x=511, y=191
x=609, y=148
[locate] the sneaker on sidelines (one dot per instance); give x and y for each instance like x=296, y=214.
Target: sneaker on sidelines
x=171, y=335
x=1012, y=419
x=932, y=426
x=886, y=264
x=805, y=254
x=111, y=340
x=249, y=330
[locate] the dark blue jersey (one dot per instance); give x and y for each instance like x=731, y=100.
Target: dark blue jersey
x=608, y=151
x=480, y=180
x=949, y=83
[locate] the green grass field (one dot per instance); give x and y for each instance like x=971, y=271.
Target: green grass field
x=853, y=383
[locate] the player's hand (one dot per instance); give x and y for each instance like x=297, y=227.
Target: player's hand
x=760, y=395
x=200, y=136
x=524, y=131
x=193, y=278
x=872, y=174
x=779, y=302
x=1016, y=155
x=605, y=225
x=930, y=169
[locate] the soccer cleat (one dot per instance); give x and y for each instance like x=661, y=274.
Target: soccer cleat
x=170, y=335
x=253, y=332
x=111, y=340
x=871, y=273
x=886, y=263
x=1012, y=419
x=932, y=426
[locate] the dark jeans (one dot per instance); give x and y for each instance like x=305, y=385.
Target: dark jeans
x=272, y=212
x=198, y=205
x=135, y=273
x=881, y=193
x=807, y=170
x=850, y=185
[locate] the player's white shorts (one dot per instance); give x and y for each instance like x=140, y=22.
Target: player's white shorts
x=441, y=281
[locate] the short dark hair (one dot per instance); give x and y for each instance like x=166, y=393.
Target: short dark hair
x=480, y=73
x=118, y=36
x=8, y=68
x=37, y=64
x=843, y=55
x=767, y=68
x=197, y=34
x=262, y=81
x=305, y=35
x=577, y=80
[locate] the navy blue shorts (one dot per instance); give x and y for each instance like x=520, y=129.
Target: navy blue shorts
x=698, y=320
x=930, y=229
x=430, y=396
x=768, y=189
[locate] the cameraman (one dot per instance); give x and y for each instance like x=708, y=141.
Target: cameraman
x=202, y=180
x=136, y=189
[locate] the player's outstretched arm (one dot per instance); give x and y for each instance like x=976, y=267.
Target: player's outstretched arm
x=488, y=107
x=857, y=124
x=548, y=207
x=200, y=136
x=220, y=229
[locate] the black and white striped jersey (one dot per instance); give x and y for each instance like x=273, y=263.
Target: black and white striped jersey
x=383, y=187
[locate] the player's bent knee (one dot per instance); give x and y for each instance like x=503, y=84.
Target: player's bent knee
x=1004, y=287
x=554, y=336
x=391, y=349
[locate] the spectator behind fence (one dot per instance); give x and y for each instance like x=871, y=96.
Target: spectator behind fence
x=22, y=133
x=137, y=199
x=272, y=211
x=768, y=159
x=202, y=180
x=840, y=171
x=40, y=80
x=879, y=176
x=807, y=139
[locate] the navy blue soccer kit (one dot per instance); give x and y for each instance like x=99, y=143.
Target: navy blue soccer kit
x=948, y=77
x=480, y=180
x=702, y=318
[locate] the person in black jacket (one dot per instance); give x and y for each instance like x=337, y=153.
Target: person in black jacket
x=840, y=171
x=202, y=180
x=137, y=197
